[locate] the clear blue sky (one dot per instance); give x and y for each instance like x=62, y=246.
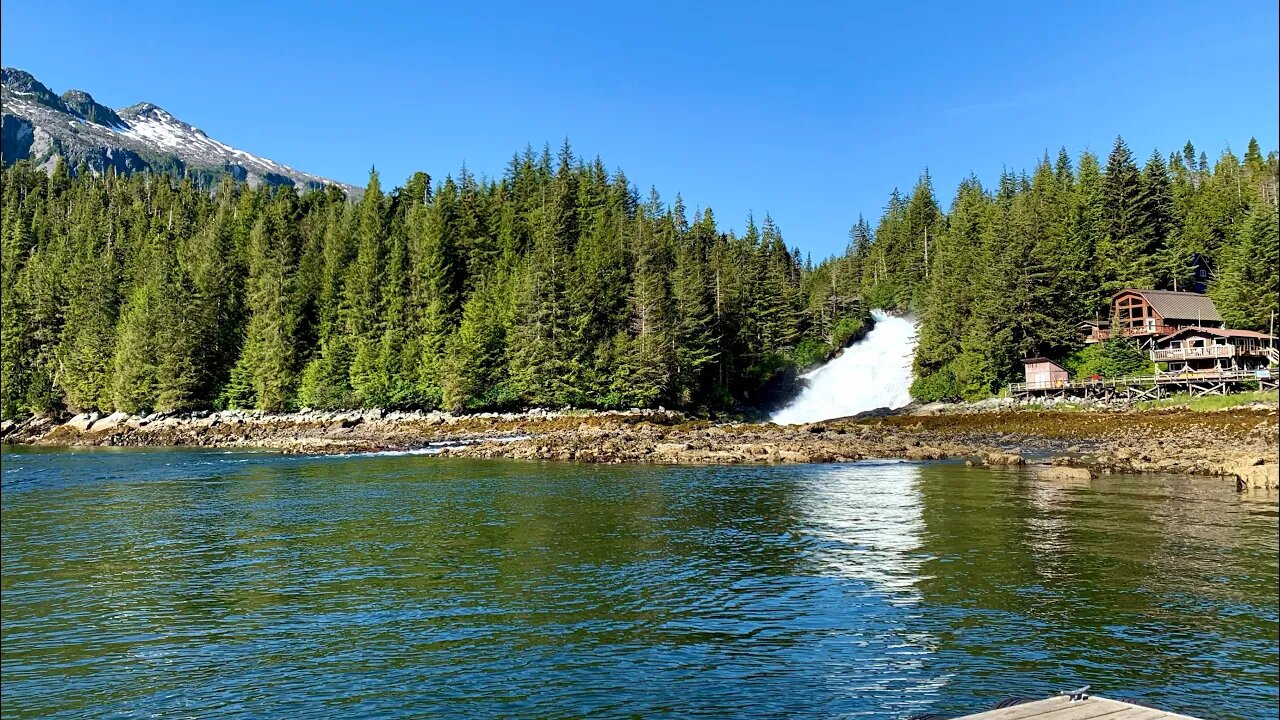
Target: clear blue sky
x=812, y=112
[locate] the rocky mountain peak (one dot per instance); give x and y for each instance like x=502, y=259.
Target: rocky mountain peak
x=82, y=103
x=41, y=127
x=25, y=84
x=146, y=109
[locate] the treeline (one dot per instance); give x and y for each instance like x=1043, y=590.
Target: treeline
x=1009, y=272
x=555, y=285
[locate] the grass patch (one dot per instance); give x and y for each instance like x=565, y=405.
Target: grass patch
x=1213, y=402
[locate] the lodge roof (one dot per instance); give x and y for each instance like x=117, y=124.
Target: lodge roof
x=1218, y=332
x=1173, y=305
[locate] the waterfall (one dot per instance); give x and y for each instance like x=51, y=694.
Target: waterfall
x=872, y=373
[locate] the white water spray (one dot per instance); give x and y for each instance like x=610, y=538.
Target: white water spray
x=872, y=373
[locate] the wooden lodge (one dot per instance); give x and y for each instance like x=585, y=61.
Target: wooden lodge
x=1145, y=315
x=1187, y=339
x=1199, y=350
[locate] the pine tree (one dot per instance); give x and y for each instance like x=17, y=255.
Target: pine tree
x=156, y=363
x=17, y=344
x=474, y=370
x=539, y=353
x=693, y=343
x=651, y=346
x=92, y=289
x=216, y=269
x=364, y=297
x=265, y=375
x=1127, y=247
x=950, y=296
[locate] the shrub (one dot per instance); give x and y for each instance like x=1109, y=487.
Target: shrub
x=810, y=352
x=938, y=386
x=845, y=330
x=1109, y=359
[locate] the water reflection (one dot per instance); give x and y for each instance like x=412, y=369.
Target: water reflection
x=868, y=517
x=866, y=520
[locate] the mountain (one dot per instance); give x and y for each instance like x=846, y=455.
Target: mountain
x=40, y=126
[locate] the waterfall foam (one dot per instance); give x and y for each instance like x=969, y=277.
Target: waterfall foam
x=872, y=373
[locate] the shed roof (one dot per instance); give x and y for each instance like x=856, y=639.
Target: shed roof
x=1037, y=360
x=1178, y=305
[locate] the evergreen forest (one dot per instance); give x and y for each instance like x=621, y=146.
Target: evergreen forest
x=559, y=284
x=556, y=286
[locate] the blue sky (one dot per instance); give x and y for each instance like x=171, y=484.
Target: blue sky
x=811, y=112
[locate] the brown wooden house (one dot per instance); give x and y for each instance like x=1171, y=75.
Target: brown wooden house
x=1145, y=315
x=1200, y=350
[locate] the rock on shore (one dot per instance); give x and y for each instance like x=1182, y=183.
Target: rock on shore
x=1237, y=444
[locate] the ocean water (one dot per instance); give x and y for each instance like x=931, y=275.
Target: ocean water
x=180, y=583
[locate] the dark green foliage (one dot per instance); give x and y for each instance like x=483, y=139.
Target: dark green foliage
x=1013, y=272
x=552, y=286
x=1111, y=359
x=556, y=285
x=846, y=330
x=810, y=352
x=938, y=386
x=1248, y=287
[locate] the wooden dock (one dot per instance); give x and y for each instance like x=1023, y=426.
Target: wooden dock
x=1064, y=708
x=1148, y=387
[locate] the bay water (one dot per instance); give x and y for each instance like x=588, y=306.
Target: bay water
x=189, y=583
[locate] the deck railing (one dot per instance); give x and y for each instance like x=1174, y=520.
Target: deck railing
x=1192, y=353
x=1143, y=380
x=1100, y=334
x=1210, y=351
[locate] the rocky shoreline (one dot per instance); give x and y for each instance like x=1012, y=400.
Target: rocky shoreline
x=1239, y=443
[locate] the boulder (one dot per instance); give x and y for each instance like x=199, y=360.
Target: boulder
x=931, y=409
x=924, y=453
x=875, y=413
x=110, y=422
x=1062, y=472
x=995, y=403
x=1250, y=474
x=83, y=421
x=996, y=458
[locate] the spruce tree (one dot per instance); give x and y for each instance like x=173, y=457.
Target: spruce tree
x=1125, y=248
x=265, y=375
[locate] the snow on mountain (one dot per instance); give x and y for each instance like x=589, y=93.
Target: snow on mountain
x=41, y=127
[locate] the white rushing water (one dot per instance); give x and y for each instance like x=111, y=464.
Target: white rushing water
x=870, y=374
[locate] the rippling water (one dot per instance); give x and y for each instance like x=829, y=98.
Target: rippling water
x=209, y=584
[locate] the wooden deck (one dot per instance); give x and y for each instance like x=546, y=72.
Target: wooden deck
x=1062, y=708
x=1148, y=387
